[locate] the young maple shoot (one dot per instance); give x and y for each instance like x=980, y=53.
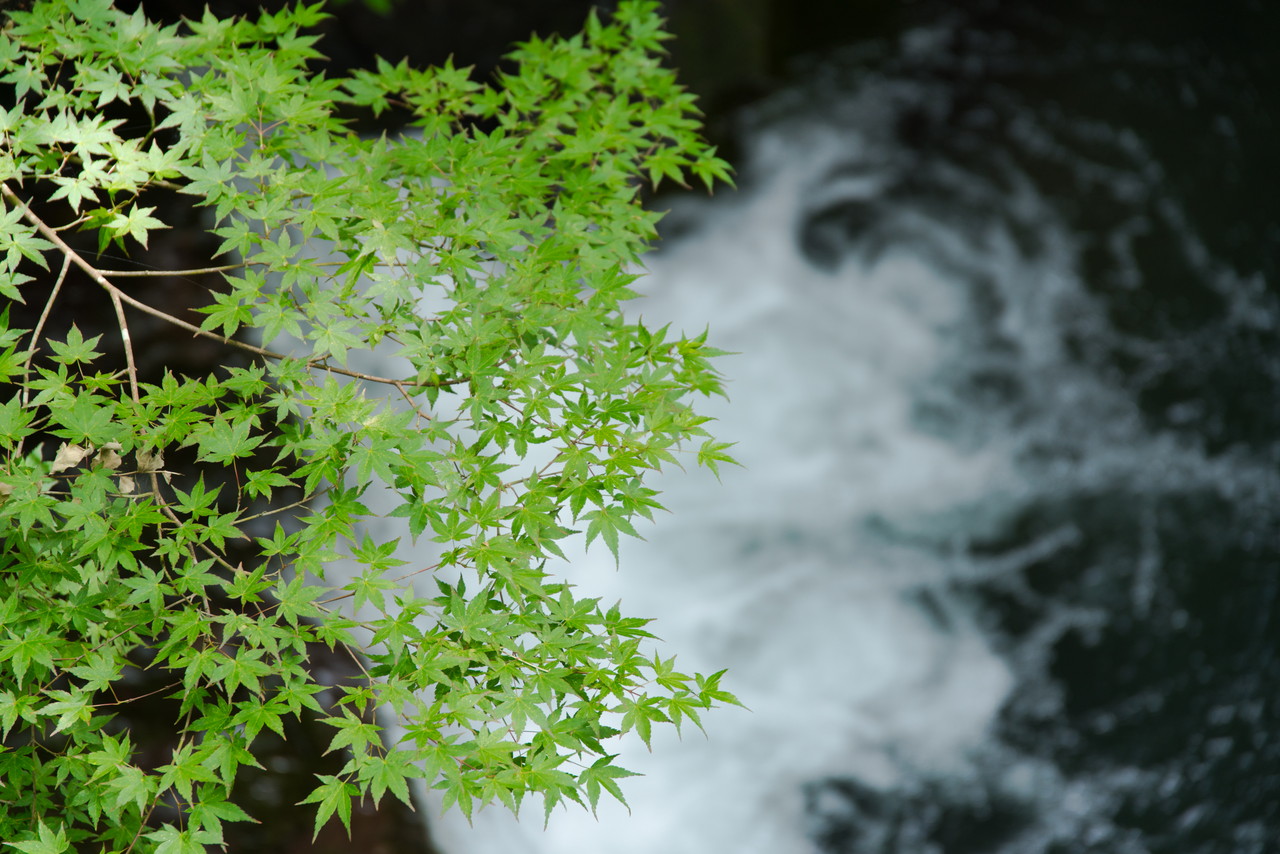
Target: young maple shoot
x=489, y=252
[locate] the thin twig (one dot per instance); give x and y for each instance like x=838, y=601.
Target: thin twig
x=116, y=292
x=400, y=386
x=351, y=593
x=128, y=347
x=35, y=335
x=201, y=271
x=119, y=702
x=276, y=510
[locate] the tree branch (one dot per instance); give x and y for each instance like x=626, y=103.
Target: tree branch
x=117, y=294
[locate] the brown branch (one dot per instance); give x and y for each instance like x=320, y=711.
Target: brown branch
x=276, y=510
x=96, y=275
x=200, y=271
x=128, y=346
x=44, y=316
x=400, y=386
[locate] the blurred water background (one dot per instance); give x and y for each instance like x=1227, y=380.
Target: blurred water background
x=1000, y=573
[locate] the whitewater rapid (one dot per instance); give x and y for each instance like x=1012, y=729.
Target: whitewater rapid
x=814, y=573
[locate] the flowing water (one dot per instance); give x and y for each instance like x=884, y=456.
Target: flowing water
x=1000, y=571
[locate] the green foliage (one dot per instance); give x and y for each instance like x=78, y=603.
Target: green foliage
x=489, y=255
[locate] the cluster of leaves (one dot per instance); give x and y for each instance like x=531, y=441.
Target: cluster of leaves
x=487, y=255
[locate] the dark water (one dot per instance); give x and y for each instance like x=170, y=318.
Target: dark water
x=1146, y=652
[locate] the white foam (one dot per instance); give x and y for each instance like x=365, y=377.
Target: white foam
x=776, y=573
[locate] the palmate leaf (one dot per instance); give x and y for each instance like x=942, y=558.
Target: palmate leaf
x=332, y=795
x=607, y=523
x=137, y=223
x=171, y=840
x=47, y=841
x=604, y=775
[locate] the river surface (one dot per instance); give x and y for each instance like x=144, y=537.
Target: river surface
x=1000, y=571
